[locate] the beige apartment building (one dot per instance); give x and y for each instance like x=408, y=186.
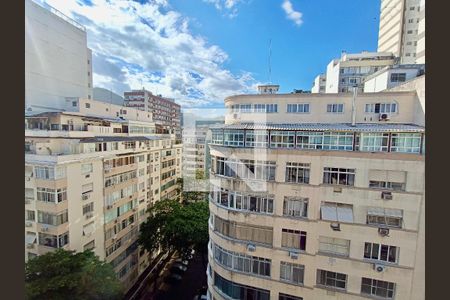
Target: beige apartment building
x=402, y=30
x=312, y=199
x=90, y=175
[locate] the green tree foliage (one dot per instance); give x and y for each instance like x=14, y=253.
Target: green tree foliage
x=176, y=226
x=63, y=274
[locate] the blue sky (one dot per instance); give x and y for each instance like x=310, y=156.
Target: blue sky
x=201, y=51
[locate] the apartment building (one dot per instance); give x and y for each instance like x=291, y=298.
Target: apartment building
x=90, y=176
x=195, y=146
x=319, y=84
x=58, y=63
x=311, y=199
x=351, y=70
x=392, y=76
x=400, y=22
x=166, y=113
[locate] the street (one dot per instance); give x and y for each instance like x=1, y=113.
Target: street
x=193, y=279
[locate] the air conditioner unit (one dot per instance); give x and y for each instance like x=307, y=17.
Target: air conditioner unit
x=335, y=226
x=379, y=268
x=386, y=195
x=87, y=176
x=383, y=231
x=293, y=255
x=251, y=247
x=85, y=196
x=384, y=117
x=28, y=224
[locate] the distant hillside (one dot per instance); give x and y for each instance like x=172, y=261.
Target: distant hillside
x=104, y=95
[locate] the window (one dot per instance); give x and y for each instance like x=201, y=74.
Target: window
x=339, y=212
x=282, y=296
x=386, y=185
x=233, y=138
x=292, y=273
x=385, y=217
x=248, y=169
x=337, y=141
x=238, y=291
x=87, y=105
x=217, y=137
x=335, y=108
x=257, y=138
x=374, y=142
x=339, y=176
x=282, y=139
x=258, y=234
x=141, y=172
x=309, y=140
x=87, y=188
x=411, y=21
x=241, y=262
x=412, y=8
x=405, y=142
x=297, y=172
x=331, y=279
x=295, y=207
x=334, y=246
x=398, y=77
x=53, y=241
x=86, y=168
x=293, y=239
x=89, y=246
x=119, y=178
x=245, y=108
x=381, y=252
x=53, y=219
x=50, y=172
x=244, y=202
x=74, y=103
x=30, y=215
x=88, y=208
x=298, y=108
x=259, y=108
x=271, y=108
x=377, y=288
x=51, y=195
x=381, y=107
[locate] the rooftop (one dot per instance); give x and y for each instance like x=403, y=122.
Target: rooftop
x=345, y=127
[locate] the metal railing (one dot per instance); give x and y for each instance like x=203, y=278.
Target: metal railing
x=56, y=12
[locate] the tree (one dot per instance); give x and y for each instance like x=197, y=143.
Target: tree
x=192, y=186
x=63, y=274
x=176, y=226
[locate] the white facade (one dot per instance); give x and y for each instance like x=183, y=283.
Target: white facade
x=351, y=69
x=319, y=84
x=390, y=77
x=399, y=29
x=58, y=63
x=420, y=50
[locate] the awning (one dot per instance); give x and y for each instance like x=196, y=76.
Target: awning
x=337, y=212
x=30, y=238
x=387, y=176
x=387, y=212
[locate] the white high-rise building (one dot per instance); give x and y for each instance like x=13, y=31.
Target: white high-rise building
x=319, y=84
x=58, y=63
x=400, y=22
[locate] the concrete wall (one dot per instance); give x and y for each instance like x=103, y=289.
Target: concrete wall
x=56, y=59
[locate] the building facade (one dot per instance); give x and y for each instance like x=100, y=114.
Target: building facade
x=58, y=63
x=392, y=76
x=166, y=113
x=90, y=177
x=352, y=69
x=400, y=22
x=311, y=199
x=319, y=84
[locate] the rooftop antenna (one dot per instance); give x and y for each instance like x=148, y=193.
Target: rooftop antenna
x=270, y=63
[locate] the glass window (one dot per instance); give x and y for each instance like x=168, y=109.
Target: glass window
x=298, y=108
x=339, y=176
x=233, y=138
x=282, y=139
x=309, y=140
x=297, y=172
x=380, y=252
x=238, y=291
x=331, y=279
x=295, y=207
x=338, y=141
x=374, y=142
x=292, y=273
x=335, y=108
x=282, y=296
x=334, y=246
x=257, y=138
x=398, y=77
x=293, y=239
x=379, y=288
x=405, y=142
x=385, y=217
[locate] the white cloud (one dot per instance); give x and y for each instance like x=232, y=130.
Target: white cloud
x=150, y=45
x=291, y=14
x=228, y=7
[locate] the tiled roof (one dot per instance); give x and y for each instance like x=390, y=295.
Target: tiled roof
x=361, y=127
